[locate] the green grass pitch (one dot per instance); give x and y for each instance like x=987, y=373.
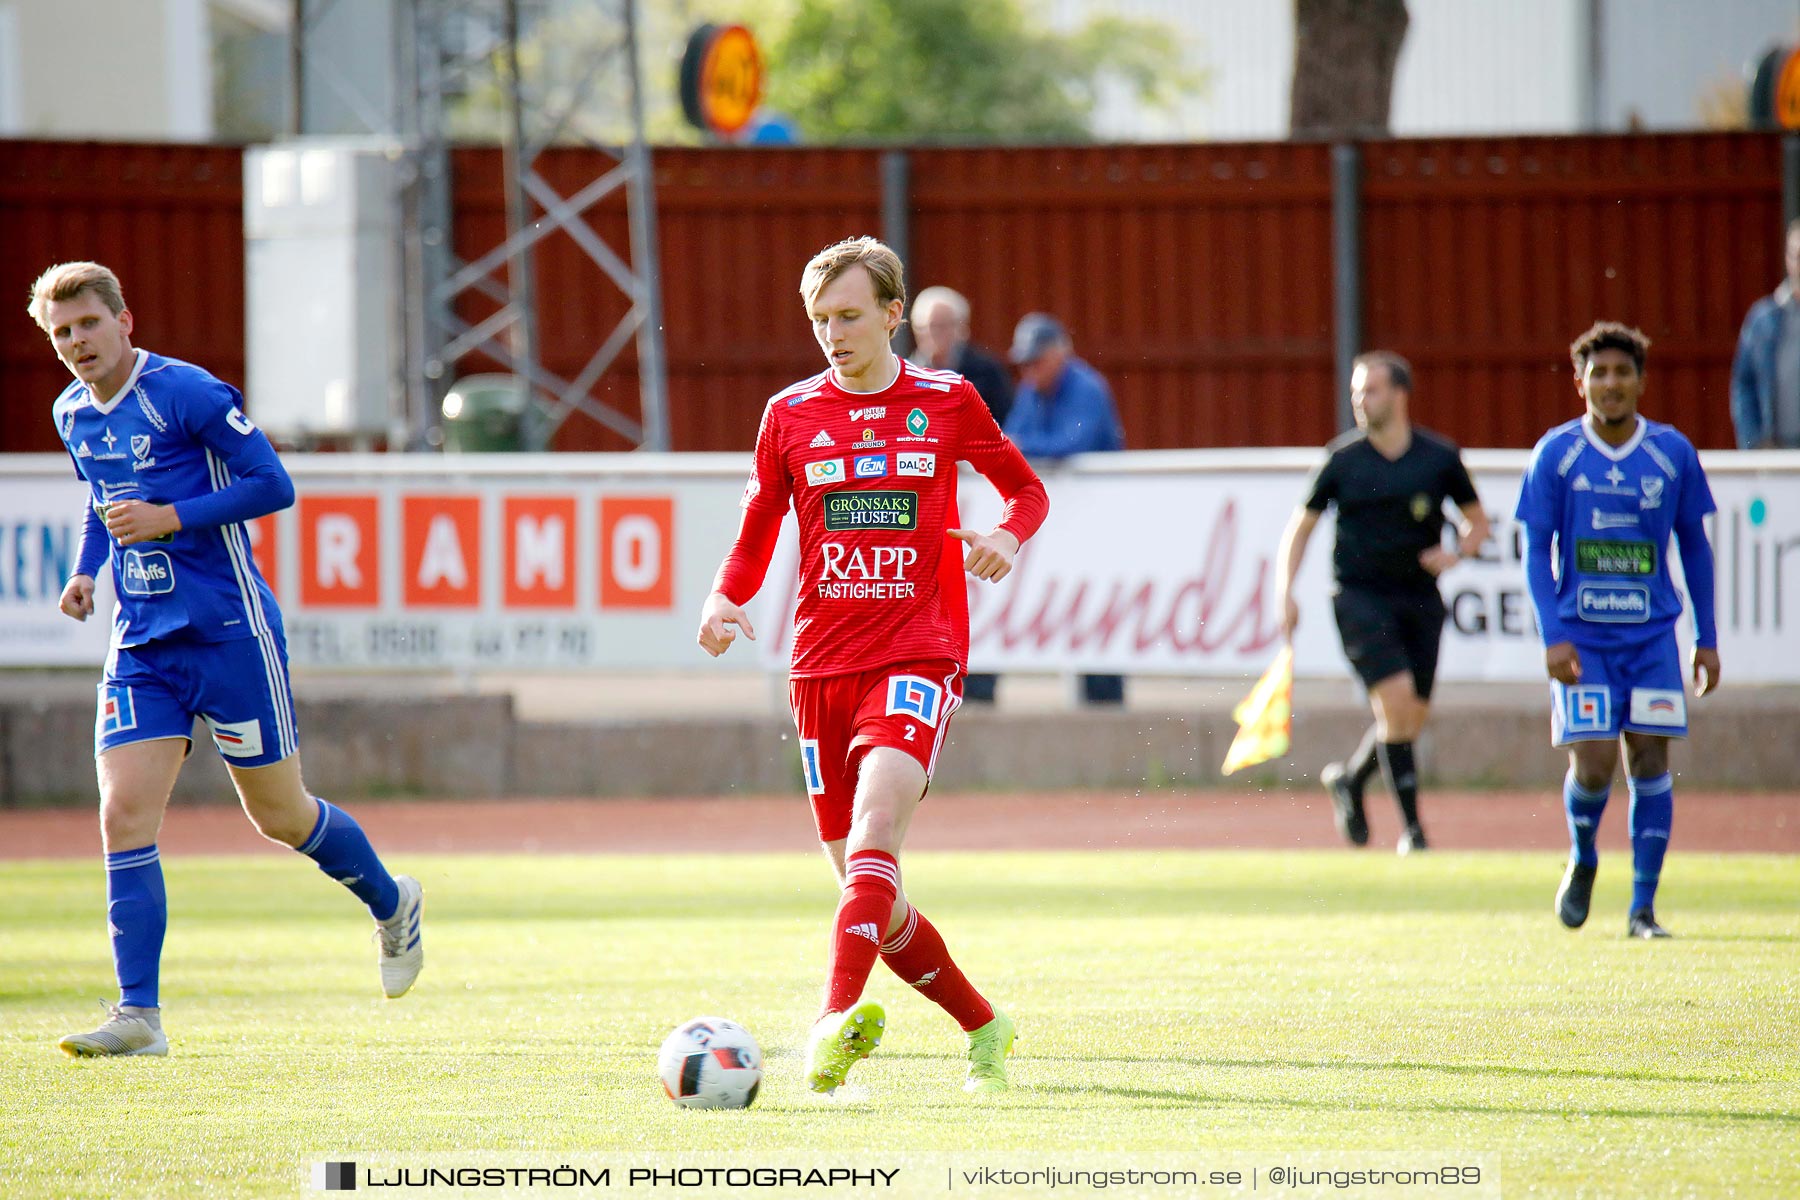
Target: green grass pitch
x=1192, y=1001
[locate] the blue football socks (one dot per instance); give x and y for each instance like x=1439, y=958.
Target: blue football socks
x=1652, y=812
x=342, y=850
x=137, y=914
x=1584, y=809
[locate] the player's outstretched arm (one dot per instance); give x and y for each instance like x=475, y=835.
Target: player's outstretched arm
x=1562, y=662
x=1472, y=530
x=1288, y=557
x=717, y=617
x=990, y=555
x=1697, y=566
x=78, y=597
x=259, y=483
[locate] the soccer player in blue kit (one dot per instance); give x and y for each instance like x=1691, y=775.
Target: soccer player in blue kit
x=1600, y=498
x=174, y=469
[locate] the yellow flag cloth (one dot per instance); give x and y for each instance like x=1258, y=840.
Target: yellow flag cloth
x=1264, y=716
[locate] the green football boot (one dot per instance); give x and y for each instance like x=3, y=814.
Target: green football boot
x=839, y=1041
x=989, y=1048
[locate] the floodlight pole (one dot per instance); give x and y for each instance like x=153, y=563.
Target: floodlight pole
x=1346, y=273
x=652, y=382
x=522, y=333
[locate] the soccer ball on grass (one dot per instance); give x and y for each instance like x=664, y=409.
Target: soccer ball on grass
x=710, y=1062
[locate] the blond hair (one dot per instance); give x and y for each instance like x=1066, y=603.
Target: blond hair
x=66, y=281
x=873, y=255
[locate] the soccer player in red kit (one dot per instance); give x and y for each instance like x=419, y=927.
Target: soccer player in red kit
x=866, y=453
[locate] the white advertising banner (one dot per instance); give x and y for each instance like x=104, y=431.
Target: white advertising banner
x=1154, y=562
x=1166, y=565
x=411, y=562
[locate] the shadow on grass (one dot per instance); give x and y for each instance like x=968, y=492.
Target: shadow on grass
x=1468, y=1069
x=1265, y=1101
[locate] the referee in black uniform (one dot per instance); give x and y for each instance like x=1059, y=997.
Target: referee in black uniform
x=1389, y=480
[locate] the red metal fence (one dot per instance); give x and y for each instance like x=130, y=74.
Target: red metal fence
x=169, y=219
x=1484, y=258
x=1197, y=278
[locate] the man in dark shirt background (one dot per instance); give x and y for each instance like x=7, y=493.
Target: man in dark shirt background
x=1389, y=480
x=940, y=327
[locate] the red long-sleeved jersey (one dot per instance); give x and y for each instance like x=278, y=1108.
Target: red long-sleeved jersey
x=872, y=478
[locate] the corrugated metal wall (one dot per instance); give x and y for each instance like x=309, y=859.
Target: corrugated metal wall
x=1484, y=258
x=1198, y=277
x=169, y=219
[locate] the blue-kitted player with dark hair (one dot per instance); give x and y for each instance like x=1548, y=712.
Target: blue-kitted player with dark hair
x=1600, y=499
x=174, y=468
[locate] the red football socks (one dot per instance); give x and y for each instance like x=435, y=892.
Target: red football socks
x=917, y=954
x=871, y=882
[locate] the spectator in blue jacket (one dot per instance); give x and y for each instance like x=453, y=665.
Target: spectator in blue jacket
x=1062, y=406
x=1765, y=374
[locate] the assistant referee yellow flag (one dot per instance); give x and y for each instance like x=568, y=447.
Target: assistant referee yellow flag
x=1264, y=717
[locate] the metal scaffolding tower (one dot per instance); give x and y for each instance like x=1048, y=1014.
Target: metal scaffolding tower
x=444, y=49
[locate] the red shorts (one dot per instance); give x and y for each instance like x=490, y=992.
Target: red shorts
x=906, y=705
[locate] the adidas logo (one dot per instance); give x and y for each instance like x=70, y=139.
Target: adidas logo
x=866, y=929
x=83, y=451
x=824, y=439
x=1581, y=484
x=929, y=976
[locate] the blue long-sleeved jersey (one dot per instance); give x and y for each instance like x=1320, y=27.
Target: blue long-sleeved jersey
x=1598, y=520
x=176, y=435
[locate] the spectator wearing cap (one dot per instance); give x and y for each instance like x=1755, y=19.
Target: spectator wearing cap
x=1062, y=407
x=940, y=326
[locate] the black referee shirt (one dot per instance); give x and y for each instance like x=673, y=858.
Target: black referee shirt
x=1388, y=512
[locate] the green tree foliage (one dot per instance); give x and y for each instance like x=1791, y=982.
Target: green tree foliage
x=848, y=70
x=950, y=70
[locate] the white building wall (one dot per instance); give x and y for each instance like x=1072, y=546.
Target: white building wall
x=12, y=86
x=107, y=69
x=1467, y=67
x=1476, y=67
x=1662, y=56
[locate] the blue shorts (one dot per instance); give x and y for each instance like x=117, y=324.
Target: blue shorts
x=1637, y=688
x=239, y=688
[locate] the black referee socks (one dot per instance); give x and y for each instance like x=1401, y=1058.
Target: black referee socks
x=1402, y=778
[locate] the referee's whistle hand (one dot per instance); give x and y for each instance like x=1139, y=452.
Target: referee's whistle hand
x=1437, y=560
x=1563, y=663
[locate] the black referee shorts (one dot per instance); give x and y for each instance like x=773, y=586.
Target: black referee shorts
x=1386, y=633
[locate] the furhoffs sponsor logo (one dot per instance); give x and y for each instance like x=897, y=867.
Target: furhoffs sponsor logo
x=148, y=573
x=1614, y=603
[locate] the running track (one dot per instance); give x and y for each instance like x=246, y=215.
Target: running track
x=1704, y=821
